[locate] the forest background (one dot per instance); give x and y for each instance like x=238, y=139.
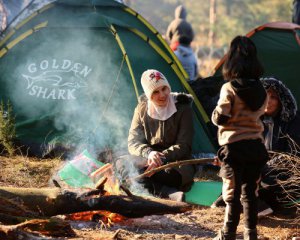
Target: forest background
x=215, y=22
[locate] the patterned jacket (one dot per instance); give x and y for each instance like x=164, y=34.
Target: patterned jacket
x=238, y=112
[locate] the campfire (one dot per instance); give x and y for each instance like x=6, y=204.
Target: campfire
x=105, y=179
x=106, y=202
x=104, y=176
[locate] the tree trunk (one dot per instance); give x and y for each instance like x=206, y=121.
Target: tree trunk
x=3, y=16
x=47, y=202
x=212, y=21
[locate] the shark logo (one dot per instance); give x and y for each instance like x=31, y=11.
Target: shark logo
x=51, y=80
x=58, y=78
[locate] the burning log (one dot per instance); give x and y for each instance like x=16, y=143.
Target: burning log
x=47, y=202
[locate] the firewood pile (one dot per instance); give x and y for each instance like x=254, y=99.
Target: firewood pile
x=289, y=166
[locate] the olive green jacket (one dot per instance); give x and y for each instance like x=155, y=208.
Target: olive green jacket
x=173, y=137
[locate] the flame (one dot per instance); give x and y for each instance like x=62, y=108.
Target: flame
x=105, y=217
x=112, y=185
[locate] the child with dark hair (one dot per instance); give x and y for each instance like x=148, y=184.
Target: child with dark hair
x=240, y=134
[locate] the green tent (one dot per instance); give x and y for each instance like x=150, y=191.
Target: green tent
x=71, y=71
x=278, y=46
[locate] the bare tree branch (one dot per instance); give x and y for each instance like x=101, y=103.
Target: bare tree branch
x=172, y=165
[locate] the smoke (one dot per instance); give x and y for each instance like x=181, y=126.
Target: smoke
x=79, y=83
x=73, y=85
x=127, y=169
x=68, y=79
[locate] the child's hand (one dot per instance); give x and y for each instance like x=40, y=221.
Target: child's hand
x=216, y=162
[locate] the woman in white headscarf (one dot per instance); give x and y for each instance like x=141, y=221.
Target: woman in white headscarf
x=161, y=132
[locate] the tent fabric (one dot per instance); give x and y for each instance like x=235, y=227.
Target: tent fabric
x=278, y=46
x=72, y=73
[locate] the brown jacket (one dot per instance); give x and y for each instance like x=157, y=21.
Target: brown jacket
x=242, y=122
x=173, y=137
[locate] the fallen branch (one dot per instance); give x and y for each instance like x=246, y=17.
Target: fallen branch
x=172, y=165
x=126, y=190
x=37, y=228
x=47, y=202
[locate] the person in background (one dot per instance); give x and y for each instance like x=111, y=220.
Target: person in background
x=296, y=12
x=238, y=116
x=282, y=134
x=161, y=132
x=179, y=28
x=281, y=116
x=186, y=56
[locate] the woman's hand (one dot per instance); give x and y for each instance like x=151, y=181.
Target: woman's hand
x=154, y=161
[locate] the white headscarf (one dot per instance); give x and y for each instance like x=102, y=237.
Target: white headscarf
x=151, y=80
x=162, y=113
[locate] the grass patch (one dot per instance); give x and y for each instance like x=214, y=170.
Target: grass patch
x=7, y=129
x=19, y=171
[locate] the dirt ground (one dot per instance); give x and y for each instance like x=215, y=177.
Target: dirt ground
x=199, y=223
